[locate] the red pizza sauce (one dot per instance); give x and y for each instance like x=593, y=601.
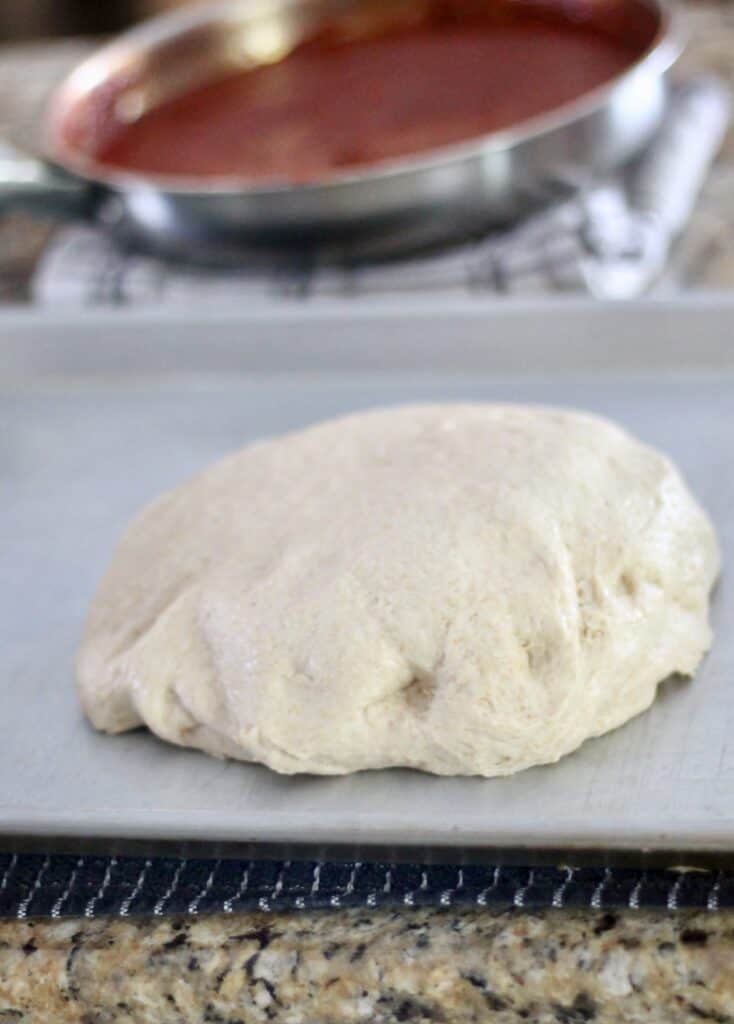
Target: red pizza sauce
x=332, y=105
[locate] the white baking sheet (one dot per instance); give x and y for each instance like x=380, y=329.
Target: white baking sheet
x=99, y=414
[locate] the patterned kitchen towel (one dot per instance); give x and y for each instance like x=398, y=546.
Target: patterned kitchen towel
x=612, y=240
x=34, y=885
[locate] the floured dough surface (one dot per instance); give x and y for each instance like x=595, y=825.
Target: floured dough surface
x=465, y=589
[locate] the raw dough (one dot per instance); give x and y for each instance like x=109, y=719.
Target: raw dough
x=468, y=589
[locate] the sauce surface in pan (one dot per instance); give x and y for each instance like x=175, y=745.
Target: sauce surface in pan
x=332, y=106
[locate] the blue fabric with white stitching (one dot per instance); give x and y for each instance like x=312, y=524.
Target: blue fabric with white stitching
x=34, y=885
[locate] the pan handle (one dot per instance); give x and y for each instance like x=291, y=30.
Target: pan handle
x=36, y=187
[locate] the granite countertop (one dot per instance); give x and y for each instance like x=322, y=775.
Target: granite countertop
x=375, y=967
x=704, y=258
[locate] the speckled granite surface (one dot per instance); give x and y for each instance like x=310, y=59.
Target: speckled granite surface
x=375, y=967
x=704, y=257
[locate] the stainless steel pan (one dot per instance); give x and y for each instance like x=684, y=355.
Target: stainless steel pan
x=412, y=201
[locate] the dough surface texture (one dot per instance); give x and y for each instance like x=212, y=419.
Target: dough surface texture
x=463, y=589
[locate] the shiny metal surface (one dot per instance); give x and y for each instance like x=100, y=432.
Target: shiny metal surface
x=382, y=208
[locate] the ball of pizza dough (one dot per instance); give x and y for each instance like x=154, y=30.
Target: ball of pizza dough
x=462, y=589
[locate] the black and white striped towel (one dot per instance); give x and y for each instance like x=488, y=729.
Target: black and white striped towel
x=35, y=885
